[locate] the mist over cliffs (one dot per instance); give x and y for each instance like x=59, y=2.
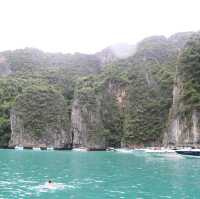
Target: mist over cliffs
x=126, y=95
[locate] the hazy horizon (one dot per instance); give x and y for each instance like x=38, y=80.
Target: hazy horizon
x=89, y=26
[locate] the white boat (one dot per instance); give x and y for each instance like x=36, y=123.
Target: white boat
x=50, y=148
x=110, y=149
x=82, y=149
x=139, y=150
x=189, y=152
x=124, y=150
x=163, y=151
x=36, y=148
x=19, y=148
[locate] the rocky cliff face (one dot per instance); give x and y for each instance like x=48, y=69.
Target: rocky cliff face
x=118, y=90
x=88, y=116
x=101, y=100
x=184, y=118
x=50, y=137
x=86, y=122
x=183, y=130
x=39, y=119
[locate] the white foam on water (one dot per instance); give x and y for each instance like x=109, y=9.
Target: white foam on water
x=46, y=187
x=99, y=181
x=5, y=182
x=165, y=197
x=122, y=192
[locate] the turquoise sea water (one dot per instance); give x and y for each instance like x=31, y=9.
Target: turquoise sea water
x=97, y=175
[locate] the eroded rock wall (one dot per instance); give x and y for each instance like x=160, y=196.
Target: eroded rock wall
x=182, y=130
x=39, y=119
x=91, y=122
x=86, y=126
x=57, y=138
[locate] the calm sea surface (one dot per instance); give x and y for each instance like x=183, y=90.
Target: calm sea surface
x=97, y=175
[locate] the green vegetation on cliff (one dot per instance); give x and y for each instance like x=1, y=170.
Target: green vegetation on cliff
x=121, y=100
x=147, y=77
x=151, y=75
x=9, y=89
x=189, y=72
x=40, y=109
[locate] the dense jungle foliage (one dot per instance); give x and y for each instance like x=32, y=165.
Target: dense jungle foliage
x=131, y=97
x=189, y=71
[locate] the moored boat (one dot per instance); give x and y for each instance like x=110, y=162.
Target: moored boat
x=110, y=149
x=159, y=151
x=36, y=148
x=139, y=150
x=19, y=148
x=81, y=149
x=189, y=152
x=50, y=148
x=124, y=150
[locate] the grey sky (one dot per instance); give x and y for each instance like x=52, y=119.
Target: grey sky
x=90, y=25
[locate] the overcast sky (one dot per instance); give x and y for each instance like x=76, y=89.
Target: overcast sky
x=89, y=25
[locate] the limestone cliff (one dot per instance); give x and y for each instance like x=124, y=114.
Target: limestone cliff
x=92, y=116
x=86, y=127
x=122, y=95
x=50, y=137
x=183, y=130
x=39, y=119
x=117, y=89
x=184, y=118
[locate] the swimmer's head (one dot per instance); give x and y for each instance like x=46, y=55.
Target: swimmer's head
x=50, y=181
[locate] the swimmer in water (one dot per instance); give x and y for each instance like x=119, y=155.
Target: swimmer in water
x=53, y=185
x=50, y=184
